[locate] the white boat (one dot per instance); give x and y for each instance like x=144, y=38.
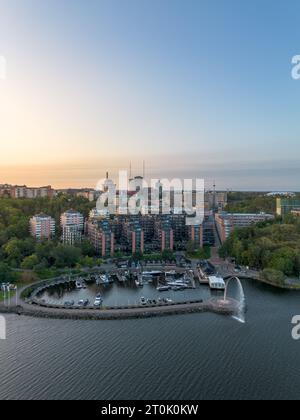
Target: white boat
x=177, y=284
x=98, y=301
x=143, y=301
x=138, y=283
x=163, y=288
x=78, y=285
x=103, y=279
x=216, y=283
x=171, y=273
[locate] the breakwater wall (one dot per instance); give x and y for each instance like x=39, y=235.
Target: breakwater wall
x=105, y=314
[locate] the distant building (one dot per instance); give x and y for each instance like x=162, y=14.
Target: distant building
x=26, y=192
x=285, y=206
x=88, y=195
x=5, y=191
x=72, y=224
x=215, y=200
x=42, y=227
x=281, y=194
x=99, y=214
x=227, y=222
x=101, y=237
x=16, y=191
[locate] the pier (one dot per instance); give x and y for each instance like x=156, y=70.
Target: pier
x=116, y=313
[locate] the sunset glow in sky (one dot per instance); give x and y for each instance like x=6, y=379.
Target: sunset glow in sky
x=196, y=88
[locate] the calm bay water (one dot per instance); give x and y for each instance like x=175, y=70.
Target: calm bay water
x=183, y=357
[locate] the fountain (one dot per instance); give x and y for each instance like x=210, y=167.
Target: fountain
x=233, y=306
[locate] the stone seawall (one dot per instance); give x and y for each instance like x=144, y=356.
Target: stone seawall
x=112, y=314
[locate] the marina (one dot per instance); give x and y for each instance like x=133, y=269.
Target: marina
x=213, y=342
x=127, y=293
x=123, y=287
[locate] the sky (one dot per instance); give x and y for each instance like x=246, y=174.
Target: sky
x=196, y=88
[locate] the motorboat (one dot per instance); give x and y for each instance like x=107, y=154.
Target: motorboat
x=79, y=284
x=143, y=301
x=69, y=303
x=163, y=288
x=103, y=279
x=177, y=284
x=98, y=301
x=138, y=282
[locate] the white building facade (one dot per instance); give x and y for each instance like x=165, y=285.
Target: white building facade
x=72, y=224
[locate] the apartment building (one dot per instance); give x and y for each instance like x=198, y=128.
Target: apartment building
x=42, y=227
x=285, y=206
x=26, y=192
x=134, y=235
x=72, y=224
x=17, y=191
x=195, y=234
x=164, y=233
x=101, y=237
x=227, y=222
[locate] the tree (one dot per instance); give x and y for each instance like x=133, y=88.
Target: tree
x=273, y=276
x=87, y=248
x=30, y=262
x=17, y=249
x=190, y=248
x=44, y=251
x=167, y=255
x=274, y=245
x=86, y=262
x=6, y=274
x=66, y=256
